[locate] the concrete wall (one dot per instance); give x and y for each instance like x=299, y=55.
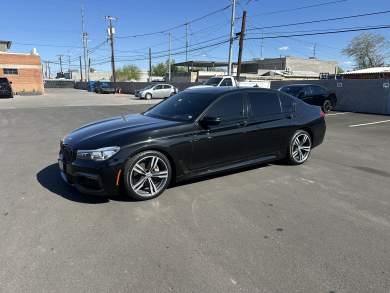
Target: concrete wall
x=131, y=87
x=365, y=96
x=314, y=65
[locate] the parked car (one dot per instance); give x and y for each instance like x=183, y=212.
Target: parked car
x=102, y=87
x=196, y=132
x=5, y=88
x=312, y=94
x=160, y=91
x=228, y=80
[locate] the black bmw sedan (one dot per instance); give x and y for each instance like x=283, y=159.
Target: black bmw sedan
x=196, y=132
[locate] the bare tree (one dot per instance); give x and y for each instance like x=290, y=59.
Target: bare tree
x=368, y=50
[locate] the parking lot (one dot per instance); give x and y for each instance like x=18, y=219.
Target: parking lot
x=320, y=227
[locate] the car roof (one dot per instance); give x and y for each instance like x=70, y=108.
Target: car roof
x=225, y=89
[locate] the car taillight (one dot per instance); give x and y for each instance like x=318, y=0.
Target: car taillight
x=322, y=114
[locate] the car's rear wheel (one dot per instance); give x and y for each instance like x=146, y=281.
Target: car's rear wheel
x=148, y=96
x=300, y=147
x=147, y=175
x=327, y=106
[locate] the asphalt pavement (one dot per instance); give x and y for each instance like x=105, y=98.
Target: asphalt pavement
x=320, y=227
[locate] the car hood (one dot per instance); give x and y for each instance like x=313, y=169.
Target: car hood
x=115, y=131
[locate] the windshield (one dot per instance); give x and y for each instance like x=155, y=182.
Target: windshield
x=291, y=90
x=213, y=81
x=185, y=106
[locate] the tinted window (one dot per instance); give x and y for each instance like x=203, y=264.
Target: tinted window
x=158, y=87
x=292, y=90
x=227, y=82
x=264, y=103
x=167, y=86
x=228, y=108
x=286, y=102
x=213, y=81
x=182, y=107
x=317, y=90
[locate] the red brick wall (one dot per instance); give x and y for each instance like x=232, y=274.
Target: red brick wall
x=29, y=77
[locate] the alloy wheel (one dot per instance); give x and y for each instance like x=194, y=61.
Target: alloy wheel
x=327, y=106
x=148, y=176
x=301, y=147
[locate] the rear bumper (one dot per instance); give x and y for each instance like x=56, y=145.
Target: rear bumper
x=319, y=129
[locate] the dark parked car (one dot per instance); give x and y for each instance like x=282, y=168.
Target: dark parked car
x=312, y=94
x=196, y=132
x=5, y=88
x=104, y=88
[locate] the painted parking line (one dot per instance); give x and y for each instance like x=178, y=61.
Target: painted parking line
x=370, y=123
x=334, y=114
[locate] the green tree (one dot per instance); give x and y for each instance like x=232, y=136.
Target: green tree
x=159, y=69
x=368, y=50
x=128, y=72
x=339, y=70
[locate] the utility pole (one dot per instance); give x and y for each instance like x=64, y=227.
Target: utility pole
x=46, y=69
x=231, y=36
x=186, y=41
x=48, y=66
x=314, y=50
x=150, y=64
x=242, y=36
x=84, y=36
x=111, y=31
x=169, y=58
x=262, y=45
x=81, y=70
x=60, y=57
x=89, y=65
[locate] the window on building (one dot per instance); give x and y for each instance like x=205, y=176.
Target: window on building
x=10, y=71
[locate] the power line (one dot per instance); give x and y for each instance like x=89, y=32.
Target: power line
x=176, y=26
x=320, y=20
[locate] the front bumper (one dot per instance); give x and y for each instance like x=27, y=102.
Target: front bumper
x=89, y=177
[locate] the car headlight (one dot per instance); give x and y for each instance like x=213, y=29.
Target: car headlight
x=99, y=154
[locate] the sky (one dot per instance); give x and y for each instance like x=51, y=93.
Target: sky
x=53, y=27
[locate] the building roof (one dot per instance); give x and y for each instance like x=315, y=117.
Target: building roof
x=197, y=63
x=369, y=70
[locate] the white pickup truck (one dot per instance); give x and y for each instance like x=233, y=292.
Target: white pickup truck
x=227, y=80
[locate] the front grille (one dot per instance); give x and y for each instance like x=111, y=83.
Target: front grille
x=68, y=153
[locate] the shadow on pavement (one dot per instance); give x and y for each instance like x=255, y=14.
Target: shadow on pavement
x=50, y=179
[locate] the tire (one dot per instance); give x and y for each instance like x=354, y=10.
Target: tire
x=148, y=96
x=141, y=180
x=299, y=148
x=327, y=106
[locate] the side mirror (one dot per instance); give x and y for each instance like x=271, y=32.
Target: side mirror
x=210, y=121
x=10, y=82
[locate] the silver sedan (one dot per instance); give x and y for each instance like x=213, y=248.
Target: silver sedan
x=159, y=91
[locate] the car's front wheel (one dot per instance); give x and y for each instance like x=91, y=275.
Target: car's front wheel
x=300, y=147
x=147, y=175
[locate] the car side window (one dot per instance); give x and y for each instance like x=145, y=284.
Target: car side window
x=263, y=104
x=226, y=82
x=167, y=86
x=158, y=87
x=307, y=90
x=229, y=108
x=317, y=90
x=286, y=102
